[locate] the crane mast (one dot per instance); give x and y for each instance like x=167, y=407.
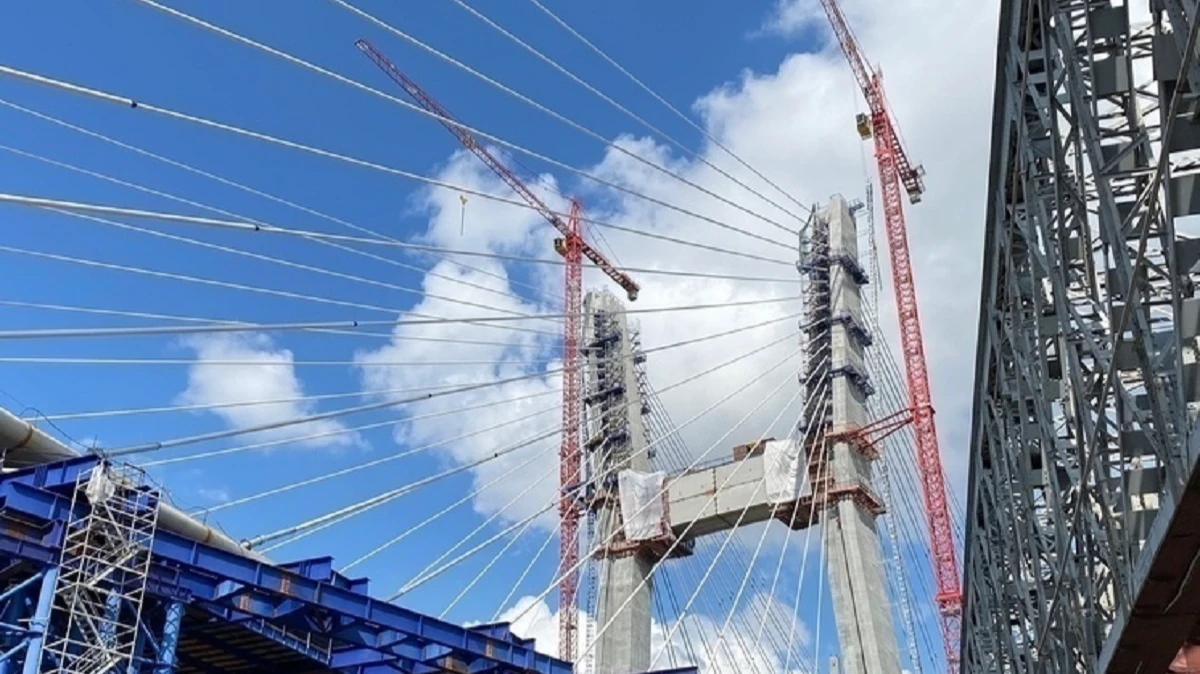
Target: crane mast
x=898, y=175
x=570, y=465
x=573, y=249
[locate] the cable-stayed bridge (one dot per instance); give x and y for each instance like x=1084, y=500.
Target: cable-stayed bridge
x=735, y=469
x=726, y=458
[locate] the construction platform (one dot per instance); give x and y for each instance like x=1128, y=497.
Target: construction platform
x=193, y=608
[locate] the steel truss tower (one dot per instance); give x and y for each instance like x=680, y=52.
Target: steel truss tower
x=1085, y=385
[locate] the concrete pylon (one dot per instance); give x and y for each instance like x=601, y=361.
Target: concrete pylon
x=616, y=440
x=856, y=576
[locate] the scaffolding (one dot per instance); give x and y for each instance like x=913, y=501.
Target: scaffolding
x=103, y=568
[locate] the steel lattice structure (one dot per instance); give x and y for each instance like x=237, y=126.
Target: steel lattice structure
x=1080, y=451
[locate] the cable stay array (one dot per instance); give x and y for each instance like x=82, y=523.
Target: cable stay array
x=445, y=415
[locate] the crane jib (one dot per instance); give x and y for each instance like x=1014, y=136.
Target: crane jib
x=468, y=141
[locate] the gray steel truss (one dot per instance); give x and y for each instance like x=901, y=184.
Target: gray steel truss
x=1083, y=515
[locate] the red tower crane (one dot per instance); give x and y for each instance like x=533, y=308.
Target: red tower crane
x=896, y=172
x=573, y=249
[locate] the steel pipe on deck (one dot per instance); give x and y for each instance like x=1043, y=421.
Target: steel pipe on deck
x=26, y=445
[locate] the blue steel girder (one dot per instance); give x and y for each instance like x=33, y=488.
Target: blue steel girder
x=501, y=631
x=390, y=667
x=321, y=568
x=260, y=666
x=264, y=589
x=59, y=476
x=375, y=636
x=195, y=663
x=187, y=569
x=360, y=659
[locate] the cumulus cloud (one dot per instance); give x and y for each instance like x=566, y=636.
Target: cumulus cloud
x=269, y=374
x=789, y=18
x=475, y=287
x=532, y=618
x=698, y=641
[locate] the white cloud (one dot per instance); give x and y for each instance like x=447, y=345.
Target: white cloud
x=713, y=653
x=506, y=353
x=270, y=376
x=532, y=618
x=789, y=18
x=488, y=226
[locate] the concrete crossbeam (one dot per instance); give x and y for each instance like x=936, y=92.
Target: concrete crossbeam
x=698, y=500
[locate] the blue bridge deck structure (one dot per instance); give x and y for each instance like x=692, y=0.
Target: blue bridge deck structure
x=211, y=610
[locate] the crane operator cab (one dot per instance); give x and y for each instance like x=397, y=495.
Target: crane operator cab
x=863, y=122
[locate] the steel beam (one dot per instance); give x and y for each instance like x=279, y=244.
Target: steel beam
x=167, y=645
x=1086, y=371
x=186, y=568
x=40, y=623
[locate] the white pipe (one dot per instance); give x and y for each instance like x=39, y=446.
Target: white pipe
x=25, y=445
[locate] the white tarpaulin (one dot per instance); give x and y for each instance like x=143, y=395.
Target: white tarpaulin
x=785, y=470
x=99, y=487
x=641, y=503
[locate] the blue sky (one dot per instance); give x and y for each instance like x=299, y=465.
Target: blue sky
x=683, y=49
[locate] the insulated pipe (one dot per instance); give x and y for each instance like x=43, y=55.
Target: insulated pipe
x=25, y=445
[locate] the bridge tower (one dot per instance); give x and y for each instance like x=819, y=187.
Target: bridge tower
x=835, y=326
x=615, y=440
x=705, y=501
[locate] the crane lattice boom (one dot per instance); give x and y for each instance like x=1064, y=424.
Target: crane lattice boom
x=570, y=464
x=896, y=172
x=872, y=88
x=468, y=141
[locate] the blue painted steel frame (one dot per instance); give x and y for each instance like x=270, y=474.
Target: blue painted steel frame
x=28, y=600
x=307, y=595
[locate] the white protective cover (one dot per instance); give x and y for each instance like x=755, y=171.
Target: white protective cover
x=785, y=470
x=641, y=503
x=100, y=487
